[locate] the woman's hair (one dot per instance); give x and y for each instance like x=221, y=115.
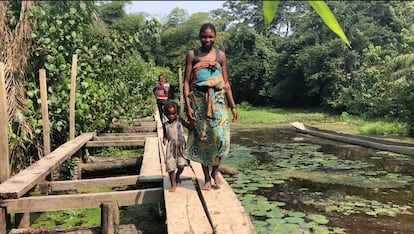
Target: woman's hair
x=207, y=26
x=170, y=104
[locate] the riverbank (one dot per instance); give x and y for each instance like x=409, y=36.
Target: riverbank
x=264, y=117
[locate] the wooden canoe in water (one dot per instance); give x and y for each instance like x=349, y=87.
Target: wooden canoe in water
x=380, y=144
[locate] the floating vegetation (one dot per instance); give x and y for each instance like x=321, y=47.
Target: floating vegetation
x=273, y=175
x=356, y=205
x=66, y=218
x=270, y=217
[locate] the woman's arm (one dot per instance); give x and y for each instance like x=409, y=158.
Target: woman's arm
x=227, y=87
x=187, y=77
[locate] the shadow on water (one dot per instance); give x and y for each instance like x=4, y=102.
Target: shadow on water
x=296, y=183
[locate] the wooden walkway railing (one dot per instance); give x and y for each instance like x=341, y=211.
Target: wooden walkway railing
x=188, y=209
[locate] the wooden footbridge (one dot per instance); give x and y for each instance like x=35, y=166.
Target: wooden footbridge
x=188, y=209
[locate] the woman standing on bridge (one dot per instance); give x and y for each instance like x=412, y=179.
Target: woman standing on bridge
x=207, y=93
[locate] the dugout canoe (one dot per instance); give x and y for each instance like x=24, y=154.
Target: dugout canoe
x=375, y=143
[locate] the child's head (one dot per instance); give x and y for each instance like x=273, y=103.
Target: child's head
x=161, y=78
x=170, y=111
x=207, y=35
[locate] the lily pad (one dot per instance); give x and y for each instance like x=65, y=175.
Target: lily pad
x=320, y=219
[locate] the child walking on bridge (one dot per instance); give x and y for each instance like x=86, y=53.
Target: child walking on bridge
x=175, y=156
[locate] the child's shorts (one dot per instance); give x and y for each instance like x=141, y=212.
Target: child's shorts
x=171, y=163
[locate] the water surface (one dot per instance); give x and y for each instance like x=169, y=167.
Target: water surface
x=298, y=183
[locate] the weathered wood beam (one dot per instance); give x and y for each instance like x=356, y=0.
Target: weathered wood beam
x=80, y=201
x=57, y=230
x=110, y=165
x=121, y=138
x=116, y=143
x=123, y=134
x=151, y=162
x=98, y=183
x=21, y=183
x=91, y=183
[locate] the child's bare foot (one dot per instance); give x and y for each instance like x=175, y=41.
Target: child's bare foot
x=206, y=186
x=178, y=180
x=173, y=188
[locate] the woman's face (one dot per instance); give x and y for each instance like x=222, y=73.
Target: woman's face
x=207, y=38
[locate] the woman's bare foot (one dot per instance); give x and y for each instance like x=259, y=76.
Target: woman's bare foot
x=206, y=186
x=217, y=180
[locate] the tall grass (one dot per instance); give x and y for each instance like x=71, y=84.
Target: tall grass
x=268, y=115
x=249, y=115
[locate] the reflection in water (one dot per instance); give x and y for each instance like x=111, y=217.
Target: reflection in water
x=359, y=190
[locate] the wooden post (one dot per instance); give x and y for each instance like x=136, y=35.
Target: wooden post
x=109, y=217
x=3, y=220
x=72, y=97
x=45, y=112
x=4, y=123
x=22, y=220
x=180, y=84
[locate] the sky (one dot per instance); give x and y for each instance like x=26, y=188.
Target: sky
x=160, y=9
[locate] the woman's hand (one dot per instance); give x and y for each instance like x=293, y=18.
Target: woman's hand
x=235, y=115
x=191, y=114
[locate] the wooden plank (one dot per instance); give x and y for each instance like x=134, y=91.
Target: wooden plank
x=123, y=134
x=115, y=143
x=99, y=182
x=151, y=161
x=118, y=164
x=148, y=124
x=219, y=203
x=122, y=138
x=21, y=183
x=59, y=230
x=80, y=201
x=184, y=211
x=92, y=183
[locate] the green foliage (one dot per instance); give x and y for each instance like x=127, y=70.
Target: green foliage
x=67, y=218
x=113, y=80
x=246, y=51
x=120, y=153
x=270, y=7
x=382, y=128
